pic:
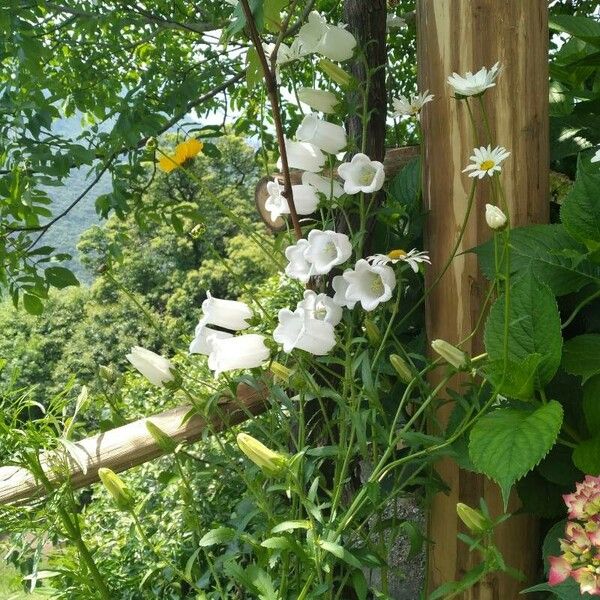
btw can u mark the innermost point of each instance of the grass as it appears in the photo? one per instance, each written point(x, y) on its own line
point(11, 587)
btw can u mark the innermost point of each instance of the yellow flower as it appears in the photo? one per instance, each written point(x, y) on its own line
point(183, 152)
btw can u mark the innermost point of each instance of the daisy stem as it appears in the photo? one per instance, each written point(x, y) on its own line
point(472, 121)
point(486, 121)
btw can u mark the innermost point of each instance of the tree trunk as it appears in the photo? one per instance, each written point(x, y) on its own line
point(464, 35)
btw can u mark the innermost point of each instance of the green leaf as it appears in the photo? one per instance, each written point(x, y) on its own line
point(33, 305)
point(581, 356)
point(507, 443)
point(290, 526)
point(591, 403)
point(580, 212)
point(583, 28)
point(587, 456)
point(219, 535)
point(555, 258)
point(60, 278)
point(341, 553)
point(534, 328)
point(519, 380)
point(254, 71)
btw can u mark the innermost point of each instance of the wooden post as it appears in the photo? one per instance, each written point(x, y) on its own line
point(461, 36)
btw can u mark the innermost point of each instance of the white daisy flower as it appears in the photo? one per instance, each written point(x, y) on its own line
point(474, 85)
point(412, 258)
point(411, 107)
point(486, 161)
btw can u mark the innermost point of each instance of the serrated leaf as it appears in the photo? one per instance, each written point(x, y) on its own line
point(534, 328)
point(586, 456)
point(581, 355)
point(518, 381)
point(219, 535)
point(507, 443)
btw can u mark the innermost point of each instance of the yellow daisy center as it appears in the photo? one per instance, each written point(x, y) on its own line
point(486, 165)
point(396, 254)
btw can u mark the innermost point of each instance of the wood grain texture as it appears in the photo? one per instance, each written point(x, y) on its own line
point(461, 36)
point(128, 446)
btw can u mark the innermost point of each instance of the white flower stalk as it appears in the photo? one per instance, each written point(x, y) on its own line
point(324, 185)
point(331, 41)
point(320, 307)
point(370, 284)
point(494, 217)
point(326, 136)
point(405, 106)
point(305, 200)
point(394, 22)
point(596, 157)
point(412, 258)
point(203, 336)
point(239, 352)
point(486, 161)
point(340, 287)
point(297, 330)
point(229, 314)
point(303, 156)
point(362, 174)
point(154, 367)
point(298, 267)
point(321, 100)
point(326, 249)
point(474, 85)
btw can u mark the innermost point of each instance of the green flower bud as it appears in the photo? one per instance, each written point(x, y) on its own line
point(401, 367)
point(373, 333)
point(280, 372)
point(117, 489)
point(472, 518)
point(107, 373)
point(165, 443)
point(451, 354)
point(272, 463)
point(335, 72)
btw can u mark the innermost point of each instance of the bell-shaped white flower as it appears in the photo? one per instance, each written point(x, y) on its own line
point(326, 136)
point(297, 330)
point(362, 174)
point(596, 157)
point(298, 267)
point(486, 161)
point(239, 352)
point(154, 367)
point(411, 107)
point(321, 100)
point(494, 217)
point(340, 287)
point(320, 307)
point(229, 314)
point(305, 200)
point(331, 41)
point(324, 185)
point(474, 85)
point(287, 54)
point(370, 284)
point(303, 156)
point(203, 336)
point(326, 249)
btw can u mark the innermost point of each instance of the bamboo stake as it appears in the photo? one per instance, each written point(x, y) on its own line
point(464, 35)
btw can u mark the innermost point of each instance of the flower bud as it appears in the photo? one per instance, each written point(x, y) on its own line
point(451, 354)
point(272, 463)
point(166, 443)
point(373, 333)
point(107, 373)
point(335, 72)
point(321, 100)
point(152, 366)
point(400, 366)
point(472, 518)
point(280, 372)
point(117, 489)
point(494, 217)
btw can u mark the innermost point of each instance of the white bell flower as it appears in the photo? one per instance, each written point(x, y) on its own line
point(486, 161)
point(320, 307)
point(340, 287)
point(229, 314)
point(321, 100)
point(494, 217)
point(596, 157)
point(370, 284)
point(411, 107)
point(326, 249)
point(287, 54)
point(305, 200)
point(474, 85)
point(154, 367)
point(239, 352)
point(324, 185)
point(203, 336)
point(332, 41)
point(298, 267)
point(326, 136)
point(297, 330)
point(412, 258)
point(303, 156)
point(362, 174)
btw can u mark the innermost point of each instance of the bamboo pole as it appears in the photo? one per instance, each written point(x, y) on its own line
point(464, 35)
point(128, 446)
